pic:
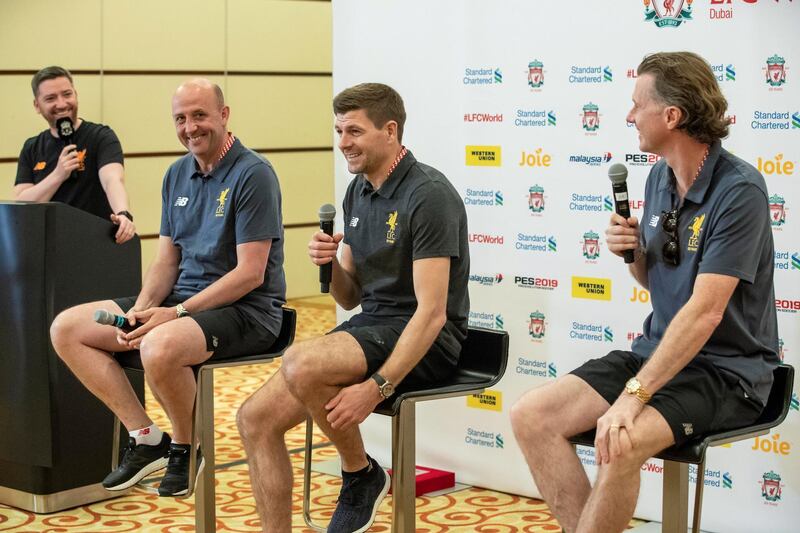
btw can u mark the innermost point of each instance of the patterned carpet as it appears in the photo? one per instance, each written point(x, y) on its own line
point(472, 509)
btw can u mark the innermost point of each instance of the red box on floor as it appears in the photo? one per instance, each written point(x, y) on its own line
point(431, 480)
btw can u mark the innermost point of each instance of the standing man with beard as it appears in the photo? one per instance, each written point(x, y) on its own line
point(405, 260)
point(87, 174)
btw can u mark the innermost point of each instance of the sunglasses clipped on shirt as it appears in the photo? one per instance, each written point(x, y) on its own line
point(671, 251)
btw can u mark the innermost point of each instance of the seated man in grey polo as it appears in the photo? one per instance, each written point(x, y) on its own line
point(214, 291)
point(405, 260)
point(705, 360)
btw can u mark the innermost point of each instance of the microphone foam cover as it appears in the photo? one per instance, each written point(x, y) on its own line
point(101, 316)
point(617, 173)
point(327, 212)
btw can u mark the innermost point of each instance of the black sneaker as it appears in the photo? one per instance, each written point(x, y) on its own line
point(137, 463)
point(359, 499)
point(176, 480)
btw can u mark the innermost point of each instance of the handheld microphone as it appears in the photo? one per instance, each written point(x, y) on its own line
point(66, 130)
point(618, 173)
point(101, 316)
point(326, 215)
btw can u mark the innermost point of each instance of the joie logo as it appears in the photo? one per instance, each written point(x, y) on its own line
point(776, 166)
point(535, 159)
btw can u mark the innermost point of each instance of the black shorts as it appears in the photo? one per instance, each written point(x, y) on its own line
point(699, 399)
point(378, 336)
point(229, 332)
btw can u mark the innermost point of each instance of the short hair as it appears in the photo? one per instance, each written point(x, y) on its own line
point(685, 80)
point(381, 103)
point(49, 73)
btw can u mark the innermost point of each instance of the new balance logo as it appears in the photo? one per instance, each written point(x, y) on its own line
point(181, 201)
point(654, 221)
point(354, 222)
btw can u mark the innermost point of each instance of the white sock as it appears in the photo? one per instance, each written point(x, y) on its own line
point(150, 435)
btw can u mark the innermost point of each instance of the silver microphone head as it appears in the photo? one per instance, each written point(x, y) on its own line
point(327, 213)
point(101, 316)
point(617, 173)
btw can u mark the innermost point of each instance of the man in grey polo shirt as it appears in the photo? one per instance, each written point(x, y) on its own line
point(215, 289)
point(405, 260)
point(705, 359)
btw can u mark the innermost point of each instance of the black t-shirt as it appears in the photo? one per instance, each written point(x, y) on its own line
point(416, 214)
point(97, 144)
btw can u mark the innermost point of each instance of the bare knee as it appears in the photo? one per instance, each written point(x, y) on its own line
point(64, 330)
point(530, 418)
point(297, 370)
point(157, 351)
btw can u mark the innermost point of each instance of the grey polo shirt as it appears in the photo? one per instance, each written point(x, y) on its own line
point(416, 214)
point(207, 216)
point(724, 228)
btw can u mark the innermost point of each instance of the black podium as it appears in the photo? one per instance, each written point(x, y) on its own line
point(53, 256)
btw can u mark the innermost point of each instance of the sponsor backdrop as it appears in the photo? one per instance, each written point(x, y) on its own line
point(522, 105)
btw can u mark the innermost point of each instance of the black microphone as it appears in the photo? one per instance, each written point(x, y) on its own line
point(101, 316)
point(326, 215)
point(618, 173)
point(65, 131)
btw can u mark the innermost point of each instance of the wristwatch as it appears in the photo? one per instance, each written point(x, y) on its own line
point(635, 388)
point(126, 214)
point(181, 311)
point(385, 387)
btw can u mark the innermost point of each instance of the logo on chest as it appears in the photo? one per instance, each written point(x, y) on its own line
point(696, 227)
point(223, 197)
point(181, 201)
point(391, 234)
point(81, 160)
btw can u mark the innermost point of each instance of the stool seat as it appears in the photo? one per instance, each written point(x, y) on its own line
point(694, 451)
point(203, 417)
point(481, 364)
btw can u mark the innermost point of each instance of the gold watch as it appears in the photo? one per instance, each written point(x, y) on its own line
point(636, 389)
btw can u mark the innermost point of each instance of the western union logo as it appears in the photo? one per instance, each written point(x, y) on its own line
point(489, 399)
point(591, 288)
point(483, 156)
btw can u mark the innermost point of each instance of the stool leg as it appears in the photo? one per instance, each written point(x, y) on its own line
point(205, 498)
point(404, 487)
point(675, 498)
point(307, 477)
point(698, 496)
point(115, 445)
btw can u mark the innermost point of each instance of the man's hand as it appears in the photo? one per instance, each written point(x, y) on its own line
point(622, 234)
point(67, 162)
point(353, 404)
point(150, 318)
point(126, 228)
point(323, 247)
point(614, 429)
